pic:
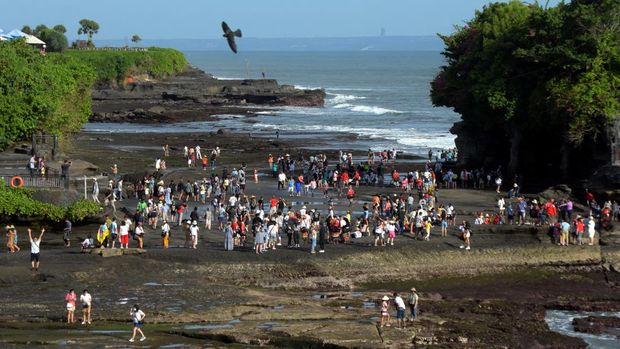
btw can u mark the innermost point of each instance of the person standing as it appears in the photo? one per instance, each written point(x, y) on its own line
point(113, 233)
point(228, 239)
point(71, 297)
point(64, 172)
point(400, 310)
point(413, 301)
point(466, 233)
point(385, 313)
point(35, 243)
point(193, 232)
point(10, 238)
point(87, 301)
point(137, 316)
point(140, 234)
point(322, 235)
point(165, 234)
point(95, 193)
point(314, 232)
point(66, 233)
point(591, 230)
point(124, 234)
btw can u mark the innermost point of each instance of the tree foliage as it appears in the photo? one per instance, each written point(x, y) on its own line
point(115, 66)
point(89, 28)
point(18, 202)
point(60, 28)
point(136, 39)
point(26, 29)
point(55, 41)
point(41, 93)
point(519, 68)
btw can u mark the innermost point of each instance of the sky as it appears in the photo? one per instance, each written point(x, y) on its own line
point(200, 19)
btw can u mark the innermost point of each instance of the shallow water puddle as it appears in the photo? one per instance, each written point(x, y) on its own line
point(207, 327)
point(270, 325)
point(369, 305)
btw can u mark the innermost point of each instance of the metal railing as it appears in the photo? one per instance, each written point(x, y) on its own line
point(37, 181)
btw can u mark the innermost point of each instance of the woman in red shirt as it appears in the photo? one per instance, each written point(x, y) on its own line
point(71, 297)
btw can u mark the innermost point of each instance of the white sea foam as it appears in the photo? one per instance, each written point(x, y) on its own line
point(374, 110)
point(366, 109)
point(341, 98)
point(301, 87)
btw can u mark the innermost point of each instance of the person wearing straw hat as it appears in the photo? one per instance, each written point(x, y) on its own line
point(385, 314)
point(413, 301)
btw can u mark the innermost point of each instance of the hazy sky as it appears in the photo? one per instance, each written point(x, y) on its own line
point(169, 19)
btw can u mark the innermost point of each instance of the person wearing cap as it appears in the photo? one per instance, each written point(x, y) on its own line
point(193, 232)
point(385, 314)
point(413, 301)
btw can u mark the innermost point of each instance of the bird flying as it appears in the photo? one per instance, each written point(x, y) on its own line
point(230, 36)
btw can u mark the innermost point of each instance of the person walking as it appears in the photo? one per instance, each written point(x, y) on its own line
point(87, 302)
point(35, 244)
point(413, 301)
point(66, 233)
point(137, 316)
point(71, 297)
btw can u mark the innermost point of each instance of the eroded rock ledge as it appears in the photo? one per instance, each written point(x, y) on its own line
point(194, 96)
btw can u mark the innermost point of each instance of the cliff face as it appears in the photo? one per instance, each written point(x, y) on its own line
point(194, 95)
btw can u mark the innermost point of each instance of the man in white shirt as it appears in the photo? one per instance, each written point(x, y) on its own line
point(35, 243)
point(86, 300)
point(193, 232)
point(400, 310)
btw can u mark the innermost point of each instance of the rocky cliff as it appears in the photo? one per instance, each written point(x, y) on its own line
point(194, 95)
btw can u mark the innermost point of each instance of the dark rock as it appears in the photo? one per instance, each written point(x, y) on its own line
point(192, 96)
point(596, 324)
point(221, 131)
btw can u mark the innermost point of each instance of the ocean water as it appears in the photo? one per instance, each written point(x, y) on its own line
point(383, 97)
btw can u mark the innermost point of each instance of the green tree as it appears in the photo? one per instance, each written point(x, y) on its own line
point(38, 29)
point(136, 39)
point(55, 41)
point(89, 28)
point(519, 73)
point(60, 28)
point(50, 94)
point(26, 29)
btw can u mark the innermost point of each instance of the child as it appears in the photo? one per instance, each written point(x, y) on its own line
point(137, 316)
point(385, 314)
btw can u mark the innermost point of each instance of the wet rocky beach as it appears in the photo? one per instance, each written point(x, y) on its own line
point(494, 296)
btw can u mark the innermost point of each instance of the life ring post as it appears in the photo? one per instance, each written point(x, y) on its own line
point(16, 182)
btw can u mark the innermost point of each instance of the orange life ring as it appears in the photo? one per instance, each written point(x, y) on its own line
point(19, 181)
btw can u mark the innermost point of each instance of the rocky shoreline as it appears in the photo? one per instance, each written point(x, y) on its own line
point(495, 296)
point(194, 95)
